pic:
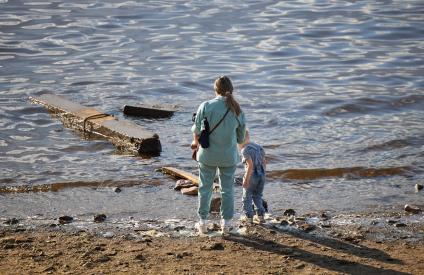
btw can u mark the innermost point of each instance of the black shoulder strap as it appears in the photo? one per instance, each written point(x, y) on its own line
point(210, 132)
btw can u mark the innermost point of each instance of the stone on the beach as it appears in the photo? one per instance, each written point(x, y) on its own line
point(191, 191)
point(284, 223)
point(100, 218)
point(213, 246)
point(117, 190)
point(140, 257)
point(418, 187)
point(400, 224)
point(307, 227)
point(215, 205)
point(179, 184)
point(412, 209)
point(11, 221)
point(109, 235)
point(65, 219)
point(289, 212)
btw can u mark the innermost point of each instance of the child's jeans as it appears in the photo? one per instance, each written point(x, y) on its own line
point(254, 192)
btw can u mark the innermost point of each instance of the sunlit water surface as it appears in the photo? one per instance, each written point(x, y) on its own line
point(324, 85)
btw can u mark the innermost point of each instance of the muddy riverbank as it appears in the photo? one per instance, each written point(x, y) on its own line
point(389, 242)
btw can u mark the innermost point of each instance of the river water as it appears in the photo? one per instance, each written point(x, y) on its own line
point(334, 89)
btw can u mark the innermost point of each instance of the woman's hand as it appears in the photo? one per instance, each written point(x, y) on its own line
point(194, 144)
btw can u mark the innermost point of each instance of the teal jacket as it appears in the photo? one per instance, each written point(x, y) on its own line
point(222, 150)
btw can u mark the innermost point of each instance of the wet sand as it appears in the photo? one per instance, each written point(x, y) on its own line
point(383, 243)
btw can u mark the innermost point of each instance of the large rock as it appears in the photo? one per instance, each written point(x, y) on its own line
point(191, 191)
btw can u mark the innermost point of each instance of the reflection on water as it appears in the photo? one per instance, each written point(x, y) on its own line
point(329, 85)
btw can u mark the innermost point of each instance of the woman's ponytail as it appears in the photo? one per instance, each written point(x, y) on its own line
point(233, 104)
point(224, 87)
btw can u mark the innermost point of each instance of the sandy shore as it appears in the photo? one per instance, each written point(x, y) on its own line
point(378, 245)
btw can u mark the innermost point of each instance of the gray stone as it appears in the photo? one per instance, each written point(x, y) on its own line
point(65, 219)
point(99, 218)
point(109, 235)
point(289, 212)
point(418, 187)
point(412, 209)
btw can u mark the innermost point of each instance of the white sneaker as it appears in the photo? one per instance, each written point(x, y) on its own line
point(202, 227)
point(226, 226)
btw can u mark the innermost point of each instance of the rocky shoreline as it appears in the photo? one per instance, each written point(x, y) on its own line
point(378, 242)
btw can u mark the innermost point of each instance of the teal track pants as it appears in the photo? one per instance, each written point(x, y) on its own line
point(226, 180)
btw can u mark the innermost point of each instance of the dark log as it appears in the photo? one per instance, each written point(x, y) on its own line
point(149, 111)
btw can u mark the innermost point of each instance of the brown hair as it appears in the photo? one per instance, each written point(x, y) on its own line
point(224, 87)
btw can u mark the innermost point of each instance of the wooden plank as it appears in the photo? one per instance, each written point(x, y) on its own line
point(125, 135)
point(178, 173)
point(148, 111)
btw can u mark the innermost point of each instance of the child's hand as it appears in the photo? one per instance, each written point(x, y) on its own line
point(245, 183)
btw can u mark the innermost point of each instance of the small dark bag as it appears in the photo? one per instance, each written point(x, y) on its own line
point(204, 134)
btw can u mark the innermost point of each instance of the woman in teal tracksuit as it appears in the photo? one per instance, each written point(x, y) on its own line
point(222, 151)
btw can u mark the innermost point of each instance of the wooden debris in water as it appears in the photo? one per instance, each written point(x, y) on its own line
point(181, 174)
point(149, 111)
point(125, 135)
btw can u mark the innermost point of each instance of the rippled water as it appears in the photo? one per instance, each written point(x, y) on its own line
point(326, 85)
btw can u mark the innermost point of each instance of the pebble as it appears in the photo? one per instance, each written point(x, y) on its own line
point(412, 209)
point(11, 221)
point(400, 224)
point(117, 190)
point(109, 235)
point(418, 187)
point(289, 212)
point(214, 246)
point(140, 257)
point(100, 218)
point(103, 259)
point(65, 219)
point(307, 227)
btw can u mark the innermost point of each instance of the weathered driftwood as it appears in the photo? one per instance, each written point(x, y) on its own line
point(149, 111)
point(125, 135)
point(181, 174)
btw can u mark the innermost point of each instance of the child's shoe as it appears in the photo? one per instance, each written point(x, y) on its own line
point(225, 226)
point(246, 219)
point(260, 219)
point(202, 227)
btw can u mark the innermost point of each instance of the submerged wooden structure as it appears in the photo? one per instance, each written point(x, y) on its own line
point(125, 135)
